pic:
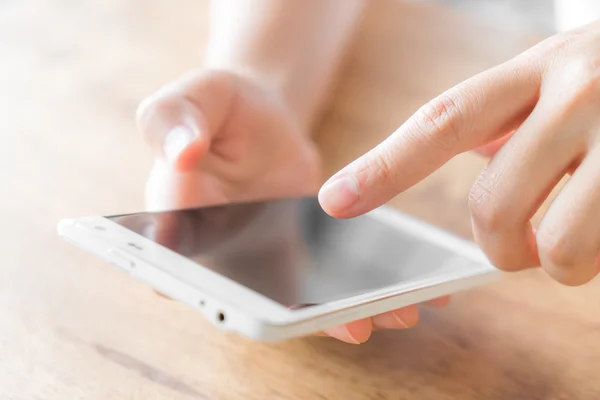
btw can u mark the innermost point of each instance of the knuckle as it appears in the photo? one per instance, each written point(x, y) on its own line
point(219, 80)
point(441, 121)
point(573, 69)
point(484, 213)
point(556, 247)
point(583, 77)
point(558, 43)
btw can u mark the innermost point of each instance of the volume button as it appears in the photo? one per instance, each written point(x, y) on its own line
point(121, 260)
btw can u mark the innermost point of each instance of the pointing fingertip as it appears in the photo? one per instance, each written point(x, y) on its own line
point(339, 194)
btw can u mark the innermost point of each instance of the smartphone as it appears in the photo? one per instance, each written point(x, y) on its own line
point(279, 269)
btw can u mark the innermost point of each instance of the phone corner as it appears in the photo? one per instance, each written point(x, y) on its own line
point(64, 225)
point(258, 330)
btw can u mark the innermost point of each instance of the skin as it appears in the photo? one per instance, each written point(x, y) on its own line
point(238, 128)
point(537, 115)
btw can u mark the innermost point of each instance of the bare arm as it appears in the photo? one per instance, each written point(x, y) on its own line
point(291, 46)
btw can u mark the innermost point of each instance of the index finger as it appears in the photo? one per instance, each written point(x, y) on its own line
point(469, 115)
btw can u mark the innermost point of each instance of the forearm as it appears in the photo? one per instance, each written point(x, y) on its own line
point(294, 47)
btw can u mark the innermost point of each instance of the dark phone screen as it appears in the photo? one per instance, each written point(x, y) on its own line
point(290, 250)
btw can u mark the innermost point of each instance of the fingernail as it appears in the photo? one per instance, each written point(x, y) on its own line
point(339, 194)
point(342, 333)
point(350, 338)
point(399, 319)
point(176, 142)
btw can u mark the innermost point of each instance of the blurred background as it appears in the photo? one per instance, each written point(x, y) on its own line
point(514, 14)
point(72, 73)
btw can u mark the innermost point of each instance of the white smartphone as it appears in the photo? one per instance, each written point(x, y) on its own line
point(279, 269)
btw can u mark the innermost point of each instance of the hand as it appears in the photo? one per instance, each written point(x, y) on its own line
point(542, 110)
point(221, 138)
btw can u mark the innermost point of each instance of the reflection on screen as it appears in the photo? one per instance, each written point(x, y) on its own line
point(290, 250)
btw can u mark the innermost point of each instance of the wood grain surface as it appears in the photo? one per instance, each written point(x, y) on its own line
point(71, 75)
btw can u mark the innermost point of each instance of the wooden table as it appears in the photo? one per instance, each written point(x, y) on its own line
point(71, 75)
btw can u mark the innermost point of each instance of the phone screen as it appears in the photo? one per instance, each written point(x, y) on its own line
point(290, 250)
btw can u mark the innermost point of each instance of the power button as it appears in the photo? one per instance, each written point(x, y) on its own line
point(121, 260)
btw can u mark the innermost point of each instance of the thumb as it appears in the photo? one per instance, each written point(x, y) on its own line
point(179, 120)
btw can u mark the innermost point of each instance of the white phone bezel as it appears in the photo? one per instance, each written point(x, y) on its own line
point(255, 315)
